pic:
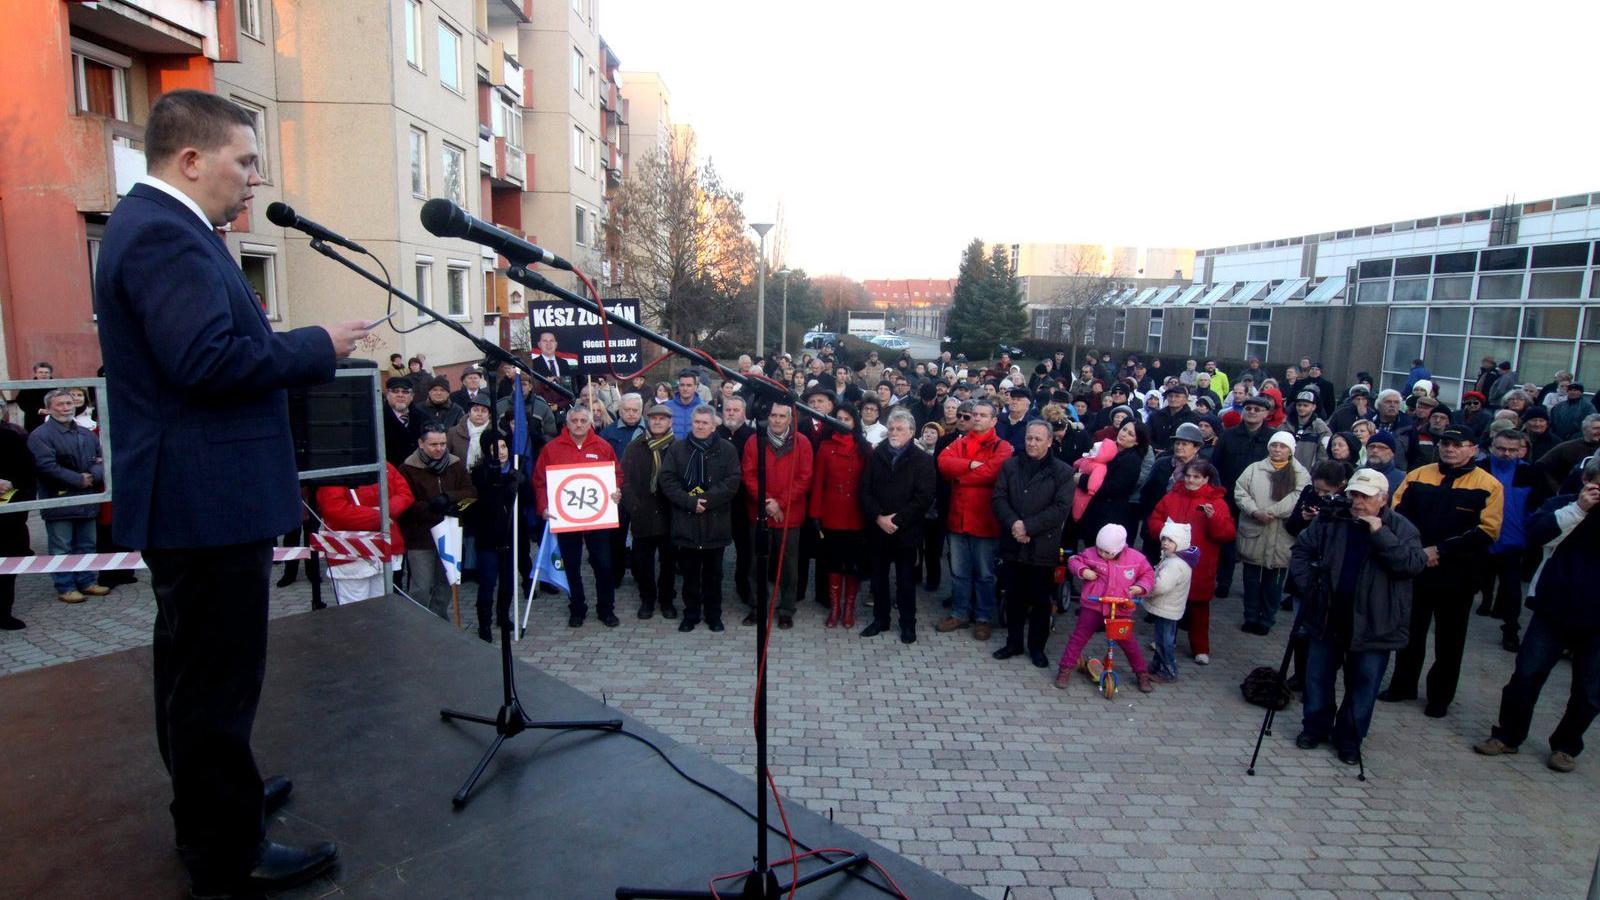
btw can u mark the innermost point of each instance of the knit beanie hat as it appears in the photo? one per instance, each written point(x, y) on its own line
point(1178, 532)
point(1112, 539)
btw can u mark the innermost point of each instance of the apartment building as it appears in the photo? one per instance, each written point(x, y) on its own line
point(649, 106)
point(365, 109)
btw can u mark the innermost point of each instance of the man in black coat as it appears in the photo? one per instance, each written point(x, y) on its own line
point(16, 474)
point(1236, 449)
point(898, 487)
point(699, 479)
point(1032, 499)
point(1327, 397)
point(402, 426)
point(736, 429)
point(1165, 421)
point(561, 371)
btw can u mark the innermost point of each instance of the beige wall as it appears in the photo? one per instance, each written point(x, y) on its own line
point(649, 111)
point(1036, 258)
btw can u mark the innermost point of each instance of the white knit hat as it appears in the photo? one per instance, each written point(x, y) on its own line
point(1178, 532)
point(1282, 437)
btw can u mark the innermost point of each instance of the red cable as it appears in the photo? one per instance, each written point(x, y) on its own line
point(605, 332)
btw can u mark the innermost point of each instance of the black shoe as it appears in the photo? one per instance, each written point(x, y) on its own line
point(1262, 629)
point(908, 637)
point(1247, 627)
point(1286, 603)
point(1350, 757)
point(280, 865)
point(1510, 643)
point(1039, 660)
point(1222, 591)
point(1296, 683)
point(1306, 742)
point(785, 622)
point(485, 635)
point(318, 604)
point(646, 611)
point(12, 623)
point(873, 630)
point(287, 579)
point(1007, 652)
point(668, 611)
point(1484, 609)
point(715, 627)
point(610, 620)
point(274, 791)
point(1393, 696)
point(1434, 711)
point(575, 620)
point(749, 619)
point(686, 625)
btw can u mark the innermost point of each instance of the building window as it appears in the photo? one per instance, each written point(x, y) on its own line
point(508, 121)
point(455, 284)
point(414, 32)
point(260, 270)
point(1152, 340)
point(594, 156)
point(449, 57)
point(1200, 333)
point(1119, 328)
point(419, 163)
point(1041, 324)
point(577, 71)
point(455, 184)
point(100, 78)
point(579, 226)
point(578, 147)
point(425, 281)
point(492, 304)
point(250, 18)
point(1089, 325)
point(258, 119)
point(1257, 333)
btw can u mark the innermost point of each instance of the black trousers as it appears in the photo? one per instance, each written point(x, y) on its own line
point(810, 550)
point(741, 552)
point(702, 583)
point(210, 658)
point(1446, 603)
point(619, 547)
point(1030, 595)
point(932, 552)
point(1503, 588)
point(904, 561)
point(655, 569)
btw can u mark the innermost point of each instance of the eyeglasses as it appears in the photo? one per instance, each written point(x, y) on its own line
point(964, 416)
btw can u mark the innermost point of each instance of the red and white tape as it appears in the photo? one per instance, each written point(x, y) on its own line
point(339, 544)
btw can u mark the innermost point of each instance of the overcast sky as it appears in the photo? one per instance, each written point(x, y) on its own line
point(894, 132)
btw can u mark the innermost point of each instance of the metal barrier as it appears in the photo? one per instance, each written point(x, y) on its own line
point(102, 419)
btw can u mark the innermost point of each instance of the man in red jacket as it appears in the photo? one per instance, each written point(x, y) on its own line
point(971, 465)
point(579, 445)
point(783, 505)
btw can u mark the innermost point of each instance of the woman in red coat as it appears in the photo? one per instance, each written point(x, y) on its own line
point(1199, 502)
point(836, 507)
point(356, 509)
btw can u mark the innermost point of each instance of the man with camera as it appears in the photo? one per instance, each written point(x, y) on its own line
point(1353, 568)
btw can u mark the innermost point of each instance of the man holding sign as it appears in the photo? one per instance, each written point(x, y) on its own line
point(576, 484)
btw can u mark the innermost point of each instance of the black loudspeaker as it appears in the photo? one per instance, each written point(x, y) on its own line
point(333, 425)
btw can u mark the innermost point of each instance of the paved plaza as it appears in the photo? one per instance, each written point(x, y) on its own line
point(986, 773)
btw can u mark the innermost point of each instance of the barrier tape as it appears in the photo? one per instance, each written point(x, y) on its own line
point(339, 544)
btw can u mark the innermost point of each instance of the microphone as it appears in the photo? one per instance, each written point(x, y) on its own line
point(284, 216)
point(445, 219)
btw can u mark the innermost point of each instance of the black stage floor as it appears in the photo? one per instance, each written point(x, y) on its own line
point(350, 712)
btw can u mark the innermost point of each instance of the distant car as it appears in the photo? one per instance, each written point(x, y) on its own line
point(816, 340)
point(890, 342)
point(1009, 350)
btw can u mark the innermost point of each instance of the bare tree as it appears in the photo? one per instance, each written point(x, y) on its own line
point(1086, 278)
point(838, 295)
point(685, 253)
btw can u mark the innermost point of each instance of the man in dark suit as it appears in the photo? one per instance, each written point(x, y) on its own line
point(472, 387)
point(559, 370)
point(402, 425)
point(197, 378)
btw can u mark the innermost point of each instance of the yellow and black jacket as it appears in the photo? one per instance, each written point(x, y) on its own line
point(1457, 510)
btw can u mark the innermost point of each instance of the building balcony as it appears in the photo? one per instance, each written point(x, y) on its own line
point(108, 154)
point(510, 164)
point(176, 27)
point(508, 12)
point(512, 78)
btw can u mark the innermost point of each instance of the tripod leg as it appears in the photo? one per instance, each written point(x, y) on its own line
point(460, 798)
point(1266, 729)
point(448, 714)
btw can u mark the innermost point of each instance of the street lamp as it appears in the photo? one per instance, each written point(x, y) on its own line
point(761, 228)
point(783, 327)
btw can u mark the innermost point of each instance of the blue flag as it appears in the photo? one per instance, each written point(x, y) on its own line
point(548, 567)
point(519, 424)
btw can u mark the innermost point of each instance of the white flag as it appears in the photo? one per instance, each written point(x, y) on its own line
point(447, 540)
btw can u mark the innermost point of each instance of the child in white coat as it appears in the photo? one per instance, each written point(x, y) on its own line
point(1171, 594)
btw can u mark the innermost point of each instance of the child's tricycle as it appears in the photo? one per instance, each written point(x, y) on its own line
point(1118, 628)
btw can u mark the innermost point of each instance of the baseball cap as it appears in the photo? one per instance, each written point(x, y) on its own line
point(1456, 434)
point(397, 384)
point(1306, 397)
point(1368, 482)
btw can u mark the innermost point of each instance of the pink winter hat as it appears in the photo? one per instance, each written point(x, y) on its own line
point(1112, 539)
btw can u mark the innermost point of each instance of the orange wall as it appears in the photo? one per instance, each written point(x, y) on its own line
point(45, 291)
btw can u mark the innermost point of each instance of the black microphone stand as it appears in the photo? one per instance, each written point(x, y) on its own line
point(510, 720)
point(762, 881)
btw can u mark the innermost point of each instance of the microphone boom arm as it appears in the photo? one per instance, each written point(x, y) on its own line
point(489, 349)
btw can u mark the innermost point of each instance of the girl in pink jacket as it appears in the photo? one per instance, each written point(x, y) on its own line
point(1111, 569)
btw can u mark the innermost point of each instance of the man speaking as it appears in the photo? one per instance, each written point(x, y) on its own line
point(197, 379)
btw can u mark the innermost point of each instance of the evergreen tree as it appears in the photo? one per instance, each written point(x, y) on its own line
point(1006, 313)
point(965, 324)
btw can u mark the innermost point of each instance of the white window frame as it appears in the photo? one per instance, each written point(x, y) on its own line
point(250, 18)
point(578, 65)
point(1251, 346)
point(1154, 330)
point(270, 295)
point(580, 221)
point(1204, 342)
point(459, 194)
point(450, 69)
point(119, 65)
point(415, 45)
point(592, 85)
point(578, 161)
point(263, 136)
point(594, 156)
point(507, 120)
point(423, 271)
point(418, 147)
point(458, 270)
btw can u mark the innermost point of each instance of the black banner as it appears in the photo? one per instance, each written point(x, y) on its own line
point(580, 338)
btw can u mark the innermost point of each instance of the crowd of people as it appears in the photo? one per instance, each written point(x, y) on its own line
point(1368, 517)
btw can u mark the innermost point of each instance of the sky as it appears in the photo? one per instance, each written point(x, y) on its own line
point(892, 133)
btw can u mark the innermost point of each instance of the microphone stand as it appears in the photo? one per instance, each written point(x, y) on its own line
point(761, 883)
point(510, 720)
